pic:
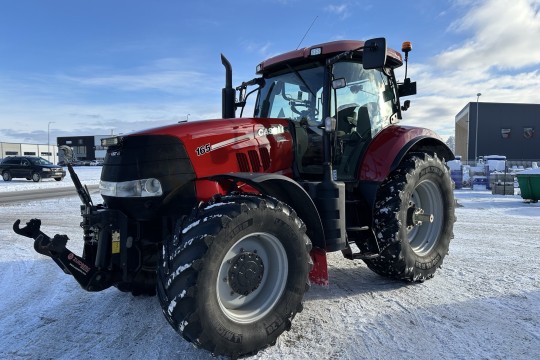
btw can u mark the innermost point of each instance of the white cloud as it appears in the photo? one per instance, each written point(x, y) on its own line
point(498, 58)
point(341, 10)
point(504, 36)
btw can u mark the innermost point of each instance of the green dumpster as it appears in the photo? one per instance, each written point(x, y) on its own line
point(529, 183)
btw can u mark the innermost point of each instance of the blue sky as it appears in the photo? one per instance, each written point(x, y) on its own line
point(95, 67)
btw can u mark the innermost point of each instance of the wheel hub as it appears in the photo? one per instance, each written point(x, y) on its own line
point(416, 216)
point(245, 273)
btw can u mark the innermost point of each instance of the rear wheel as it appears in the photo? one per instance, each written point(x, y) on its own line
point(58, 178)
point(36, 177)
point(233, 276)
point(6, 175)
point(414, 219)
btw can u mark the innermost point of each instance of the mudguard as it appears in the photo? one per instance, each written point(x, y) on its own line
point(389, 147)
point(286, 190)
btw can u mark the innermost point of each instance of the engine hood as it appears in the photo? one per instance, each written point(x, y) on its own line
point(233, 145)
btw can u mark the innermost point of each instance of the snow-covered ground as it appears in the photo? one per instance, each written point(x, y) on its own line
point(88, 174)
point(483, 304)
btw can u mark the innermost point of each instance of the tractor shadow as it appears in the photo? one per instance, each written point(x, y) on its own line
point(350, 278)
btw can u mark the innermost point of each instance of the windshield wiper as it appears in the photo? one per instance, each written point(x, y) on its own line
point(301, 78)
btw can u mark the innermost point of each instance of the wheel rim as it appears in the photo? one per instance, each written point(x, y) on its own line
point(259, 250)
point(5, 176)
point(426, 200)
point(35, 177)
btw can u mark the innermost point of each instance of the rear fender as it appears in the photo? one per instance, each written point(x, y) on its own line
point(388, 149)
point(282, 188)
point(391, 145)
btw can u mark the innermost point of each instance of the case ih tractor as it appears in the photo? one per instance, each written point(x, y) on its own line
point(230, 220)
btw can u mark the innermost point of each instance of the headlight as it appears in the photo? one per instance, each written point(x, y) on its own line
point(45, 169)
point(133, 188)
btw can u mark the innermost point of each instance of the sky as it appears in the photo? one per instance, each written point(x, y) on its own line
point(98, 67)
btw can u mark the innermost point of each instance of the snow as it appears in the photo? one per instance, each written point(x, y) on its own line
point(483, 304)
point(89, 175)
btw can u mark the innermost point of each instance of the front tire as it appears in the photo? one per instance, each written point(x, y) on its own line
point(232, 277)
point(414, 219)
point(36, 177)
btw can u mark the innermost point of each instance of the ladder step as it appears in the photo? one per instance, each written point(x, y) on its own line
point(358, 228)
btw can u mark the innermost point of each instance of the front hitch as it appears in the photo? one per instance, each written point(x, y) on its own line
point(88, 276)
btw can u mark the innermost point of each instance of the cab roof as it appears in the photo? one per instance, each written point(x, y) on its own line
point(328, 49)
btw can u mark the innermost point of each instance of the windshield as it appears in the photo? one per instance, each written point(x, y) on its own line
point(367, 97)
point(296, 95)
point(39, 161)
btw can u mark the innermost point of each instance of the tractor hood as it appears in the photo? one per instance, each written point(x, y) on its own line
point(233, 145)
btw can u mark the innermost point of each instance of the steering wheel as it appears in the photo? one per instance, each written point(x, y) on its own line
point(308, 109)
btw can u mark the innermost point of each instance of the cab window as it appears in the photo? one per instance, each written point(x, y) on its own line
point(365, 103)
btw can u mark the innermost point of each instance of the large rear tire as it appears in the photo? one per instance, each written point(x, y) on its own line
point(232, 277)
point(414, 219)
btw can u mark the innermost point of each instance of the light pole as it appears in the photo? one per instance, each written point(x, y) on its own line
point(476, 132)
point(187, 117)
point(48, 142)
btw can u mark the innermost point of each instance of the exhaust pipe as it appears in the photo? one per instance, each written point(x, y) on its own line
point(228, 101)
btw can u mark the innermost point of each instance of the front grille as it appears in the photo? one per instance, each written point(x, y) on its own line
point(151, 156)
point(243, 162)
point(254, 161)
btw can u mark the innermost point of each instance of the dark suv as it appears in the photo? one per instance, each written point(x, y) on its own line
point(30, 167)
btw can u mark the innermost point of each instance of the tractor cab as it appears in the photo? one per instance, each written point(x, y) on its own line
point(363, 100)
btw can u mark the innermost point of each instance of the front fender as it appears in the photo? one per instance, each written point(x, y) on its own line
point(288, 191)
point(389, 147)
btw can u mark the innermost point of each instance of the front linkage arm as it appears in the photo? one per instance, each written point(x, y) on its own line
point(87, 275)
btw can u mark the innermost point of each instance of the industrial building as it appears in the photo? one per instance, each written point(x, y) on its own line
point(84, 147)
point(506, 129)
point(48, 152)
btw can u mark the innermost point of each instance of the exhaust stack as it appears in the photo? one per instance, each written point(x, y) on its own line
point(228, 94)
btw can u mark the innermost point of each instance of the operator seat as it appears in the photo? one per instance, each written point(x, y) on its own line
point(363, 123)
point(354, 145)
point(346, 119)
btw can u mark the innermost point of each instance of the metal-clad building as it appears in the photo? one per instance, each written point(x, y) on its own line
point(48, 152)
point(507, 129)
point(85, 147)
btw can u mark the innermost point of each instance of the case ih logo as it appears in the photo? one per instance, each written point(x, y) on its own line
point(273, 130)
point(528, 132)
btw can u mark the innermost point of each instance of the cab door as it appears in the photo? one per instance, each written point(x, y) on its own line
point(363, 104)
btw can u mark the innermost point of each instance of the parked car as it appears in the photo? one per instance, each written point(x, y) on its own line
point(31, 168)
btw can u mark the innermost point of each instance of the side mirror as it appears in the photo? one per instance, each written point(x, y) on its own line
point(339, 83)
point(374, 54)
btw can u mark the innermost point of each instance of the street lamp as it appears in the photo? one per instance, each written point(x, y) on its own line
point(476, 132)
point(48, 142)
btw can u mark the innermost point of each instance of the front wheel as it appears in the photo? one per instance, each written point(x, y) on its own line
point(36, 177)
point(232, 277)
point(414, 219)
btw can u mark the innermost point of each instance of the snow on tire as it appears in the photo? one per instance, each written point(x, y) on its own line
point(232, 277)
point(414, 219)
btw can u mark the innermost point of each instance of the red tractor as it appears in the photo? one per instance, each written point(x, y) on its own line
point(228, 220)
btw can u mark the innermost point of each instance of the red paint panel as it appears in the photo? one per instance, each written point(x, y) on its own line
point(319, 272)
point(385, 147)
point(213, 145)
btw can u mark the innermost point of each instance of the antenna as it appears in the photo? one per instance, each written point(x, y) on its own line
point(313, 22)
